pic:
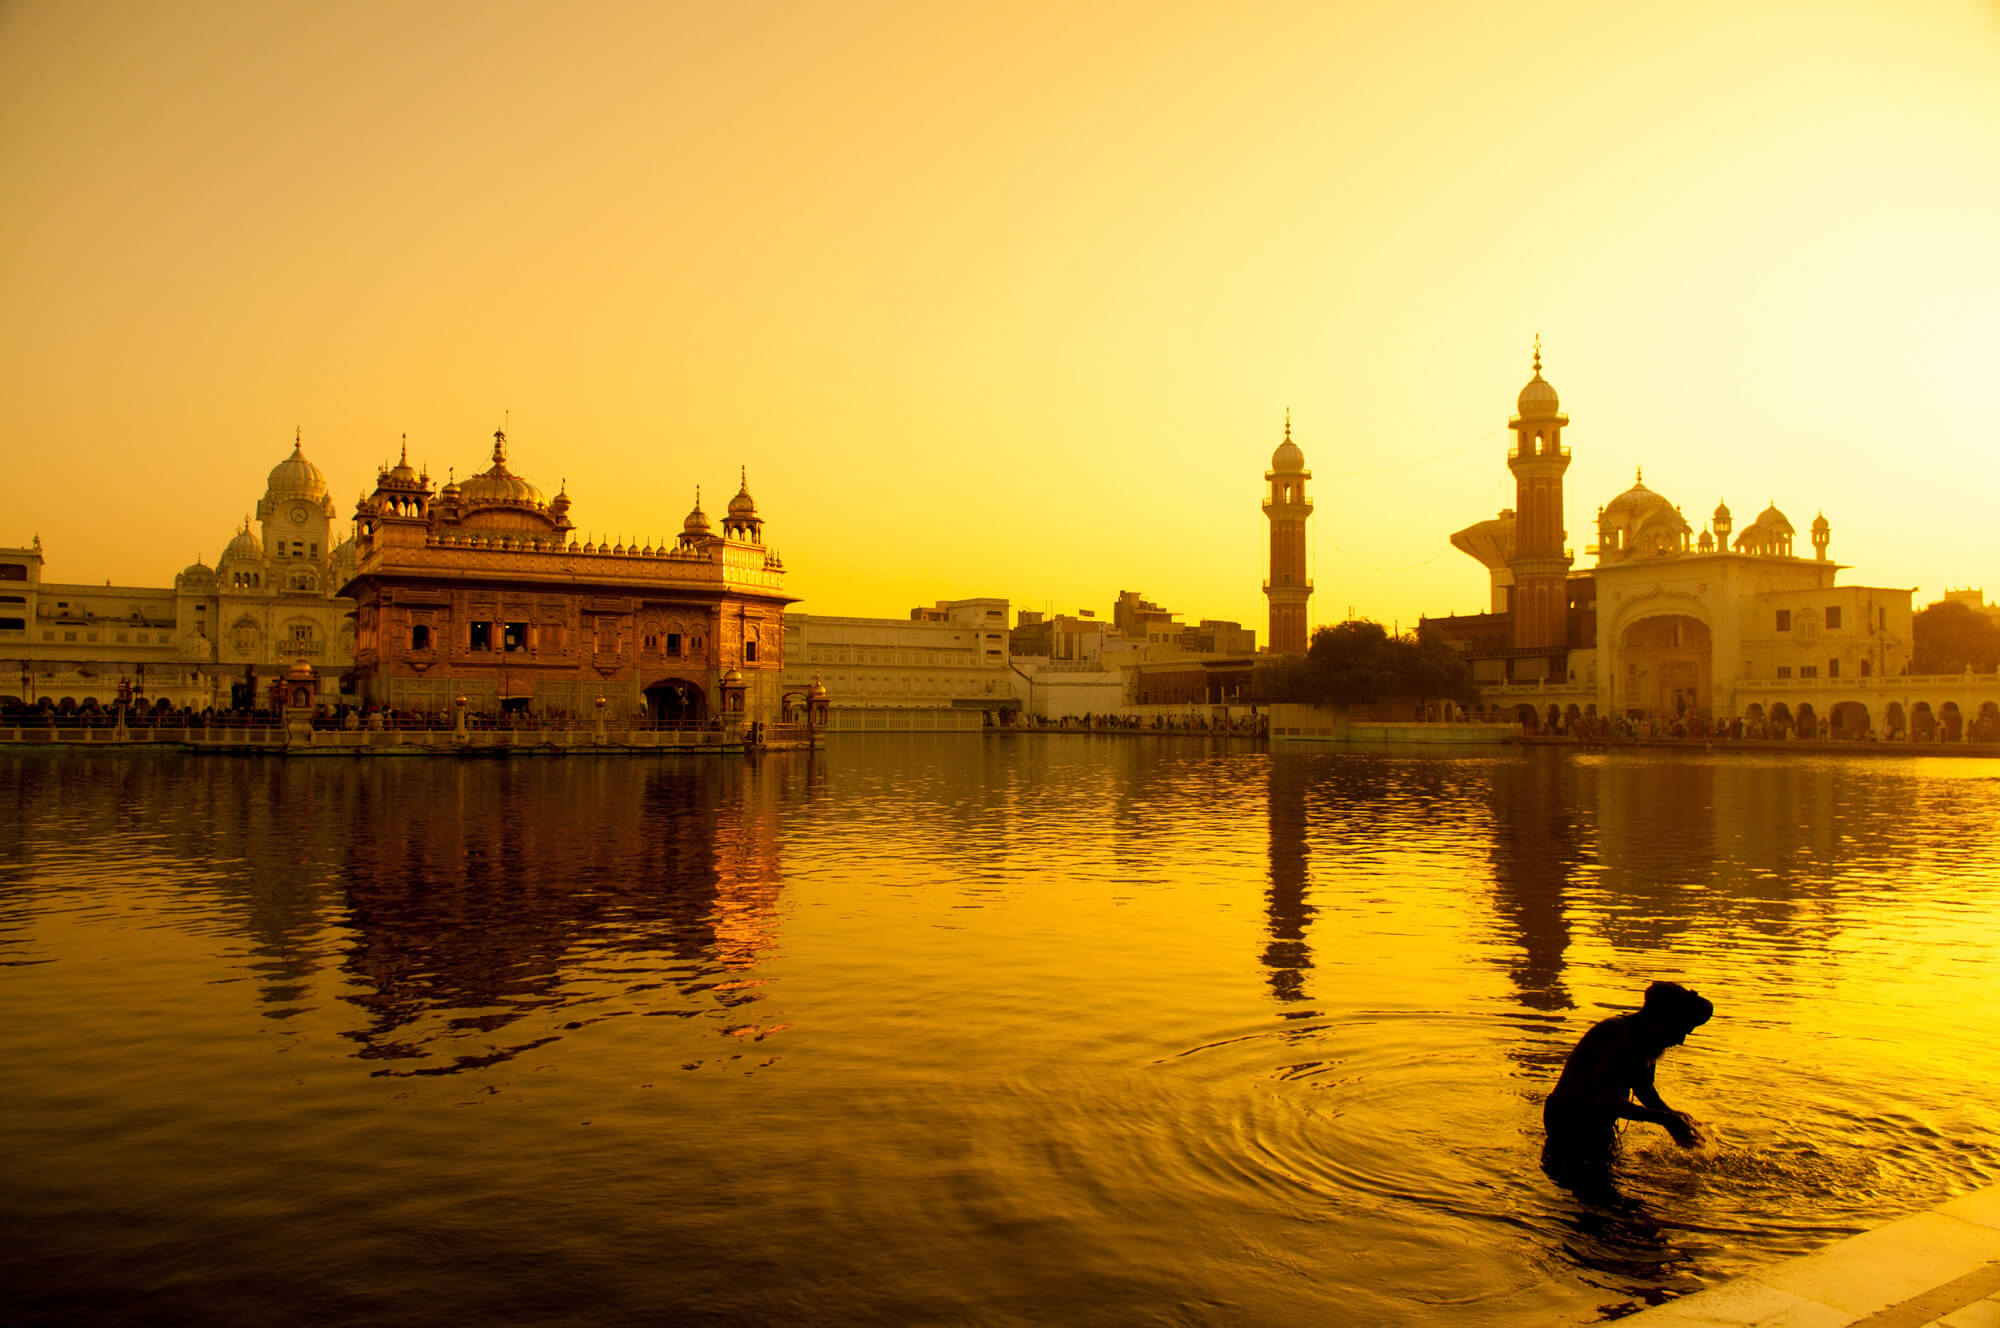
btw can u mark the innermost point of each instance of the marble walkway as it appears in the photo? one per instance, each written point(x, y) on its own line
point(1941, 1267)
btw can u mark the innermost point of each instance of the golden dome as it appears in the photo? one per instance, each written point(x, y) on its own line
point(743, 504)
point(196, 572)
point(496, 485)
point(1721, 512)
point(295, 477)
point(1820, 525)
point(697, 520)
point(733, 678)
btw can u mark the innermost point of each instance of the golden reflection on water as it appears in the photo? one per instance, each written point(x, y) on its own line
point(1099, 1028)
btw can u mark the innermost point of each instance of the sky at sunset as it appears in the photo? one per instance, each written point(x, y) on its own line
point(1010, 299)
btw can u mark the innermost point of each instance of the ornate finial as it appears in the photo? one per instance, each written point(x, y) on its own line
point(298, 434)
point(406, 451)
point(743, 474)
point(1288, 424)
point(1640, 477)
point(500, 447)
point(1538, 355)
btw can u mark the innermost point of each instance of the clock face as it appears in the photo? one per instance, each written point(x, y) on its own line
point(298, 516)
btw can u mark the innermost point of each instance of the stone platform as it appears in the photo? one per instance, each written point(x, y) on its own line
point(1940, 1267)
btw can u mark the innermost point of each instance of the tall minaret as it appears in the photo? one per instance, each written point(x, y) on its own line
point(1540, 563)
point(1288, 508)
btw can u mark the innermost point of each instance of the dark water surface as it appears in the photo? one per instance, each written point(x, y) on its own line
point(1055, 1027)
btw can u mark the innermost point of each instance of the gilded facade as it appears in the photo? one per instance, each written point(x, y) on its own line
point(480, 589)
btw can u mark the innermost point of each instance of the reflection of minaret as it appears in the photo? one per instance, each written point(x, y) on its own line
point(1537, 843)
point(1286, 911)
point(1288, 508)
point(1540, 564)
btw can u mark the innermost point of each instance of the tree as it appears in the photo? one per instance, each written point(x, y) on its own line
point(1948, 635)
point(1359, 663)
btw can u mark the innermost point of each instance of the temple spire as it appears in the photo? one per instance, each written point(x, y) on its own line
point(1538, 355)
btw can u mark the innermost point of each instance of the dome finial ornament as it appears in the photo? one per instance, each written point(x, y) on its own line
point(1288, 424)
point(298, 437)
point(1538, 355)
point(406, 451)
point(1639, 477)
point(500, 446)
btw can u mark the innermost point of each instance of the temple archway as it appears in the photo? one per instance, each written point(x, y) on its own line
point(1893, 721)
point(1953, 722)
point(674, 703)
point(1781, 720)
point(1986, 728)
point(1807, 720)
point(1524, 715)
point(1665, 665)
point(1923, 724)
point(1849, 719)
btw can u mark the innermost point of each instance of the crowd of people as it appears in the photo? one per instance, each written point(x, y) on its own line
point(1237, 726)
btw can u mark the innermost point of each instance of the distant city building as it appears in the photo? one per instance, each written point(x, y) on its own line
point(481, 590)
point(1288, 509)
point(219, 636)
point(1974, 599)
point(945, 667)
point(1670, 623)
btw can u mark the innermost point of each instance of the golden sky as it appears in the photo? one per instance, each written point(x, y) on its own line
point(1008, 299)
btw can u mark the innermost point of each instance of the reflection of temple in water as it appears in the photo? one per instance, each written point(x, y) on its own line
point(483, 892)
point(1287, 957)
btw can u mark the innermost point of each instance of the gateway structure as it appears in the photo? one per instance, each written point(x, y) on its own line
point(1725, 623)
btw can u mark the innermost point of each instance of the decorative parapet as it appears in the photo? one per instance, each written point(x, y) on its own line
point(717, 564)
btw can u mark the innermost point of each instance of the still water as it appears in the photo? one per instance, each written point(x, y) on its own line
point(1055, 1027)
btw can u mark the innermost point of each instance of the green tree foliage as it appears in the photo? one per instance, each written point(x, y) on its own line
point(1947, 636)
point(1359, 663)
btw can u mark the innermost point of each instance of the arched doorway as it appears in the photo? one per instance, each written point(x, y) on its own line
point(1923, 724)
point(674, 703)
point(1893, 721)
point(1781, 720)
point(1524, 715)
point(1953, 722)
point(1667, 666)
point(1807, 720)
point(1987, 727)
point(1850, 720)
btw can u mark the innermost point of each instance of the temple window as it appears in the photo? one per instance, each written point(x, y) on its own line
point(420, 637)
point(1833, 668)
point(674, 644)
point(1833, 615)
point(481, 637)
point(514, 637)
point(749, 645)
point(1784, 620)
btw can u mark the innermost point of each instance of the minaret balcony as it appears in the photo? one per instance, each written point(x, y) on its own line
point(1305, 586)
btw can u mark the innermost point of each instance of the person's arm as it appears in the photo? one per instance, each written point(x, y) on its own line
point(1653, 1109)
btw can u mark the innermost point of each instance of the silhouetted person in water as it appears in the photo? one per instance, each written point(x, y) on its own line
point(1612, 1064)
